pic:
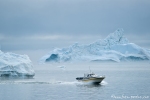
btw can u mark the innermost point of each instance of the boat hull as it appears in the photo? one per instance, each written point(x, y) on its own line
point(94, 80)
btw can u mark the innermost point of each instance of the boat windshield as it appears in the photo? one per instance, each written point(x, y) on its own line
point(89, 75)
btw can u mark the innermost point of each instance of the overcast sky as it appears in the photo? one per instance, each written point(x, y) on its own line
point(37, 24)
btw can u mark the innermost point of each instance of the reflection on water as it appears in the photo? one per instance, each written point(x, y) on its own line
point(89, 85)
point(8, 78)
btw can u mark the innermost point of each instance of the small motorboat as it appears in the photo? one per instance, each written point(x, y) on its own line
point(91, 78)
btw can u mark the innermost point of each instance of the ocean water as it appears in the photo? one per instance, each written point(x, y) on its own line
point(124, 80)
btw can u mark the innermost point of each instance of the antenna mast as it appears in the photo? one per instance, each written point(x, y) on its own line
point(89, 69)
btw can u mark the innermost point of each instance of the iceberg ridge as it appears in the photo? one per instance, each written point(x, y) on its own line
point(115, 47)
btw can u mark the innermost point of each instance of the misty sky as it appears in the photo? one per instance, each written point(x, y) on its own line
point(41, 24)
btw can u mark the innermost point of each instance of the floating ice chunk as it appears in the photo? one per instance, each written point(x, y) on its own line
point(12, 64)
point(62, 67)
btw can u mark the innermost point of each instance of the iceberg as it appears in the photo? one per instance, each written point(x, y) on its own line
point(115, 47)
point(15, 65)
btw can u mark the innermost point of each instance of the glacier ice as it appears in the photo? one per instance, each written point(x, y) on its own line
point(15, 65)
point(115, 47)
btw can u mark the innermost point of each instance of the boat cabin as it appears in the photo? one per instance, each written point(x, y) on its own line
point(89, 75)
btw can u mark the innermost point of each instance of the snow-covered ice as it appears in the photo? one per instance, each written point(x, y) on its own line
point(115, 47)
point(12, 64)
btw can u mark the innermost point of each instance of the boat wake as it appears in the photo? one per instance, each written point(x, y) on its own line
point(51, 82)
point(38, 82)
point(104, 83)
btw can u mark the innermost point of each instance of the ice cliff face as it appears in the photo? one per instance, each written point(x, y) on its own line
point(12, 64)
point(114, 47)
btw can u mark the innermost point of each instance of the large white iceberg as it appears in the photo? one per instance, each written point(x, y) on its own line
point(115, 47)
point(12, 64)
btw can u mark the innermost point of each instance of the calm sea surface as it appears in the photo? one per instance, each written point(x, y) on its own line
point(125, 80)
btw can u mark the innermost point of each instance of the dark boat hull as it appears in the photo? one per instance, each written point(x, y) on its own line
point(94, 80)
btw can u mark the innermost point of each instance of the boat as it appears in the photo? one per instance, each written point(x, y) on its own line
point(91, 78)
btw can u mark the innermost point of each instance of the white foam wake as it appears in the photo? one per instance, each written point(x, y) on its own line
point(54, 82)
